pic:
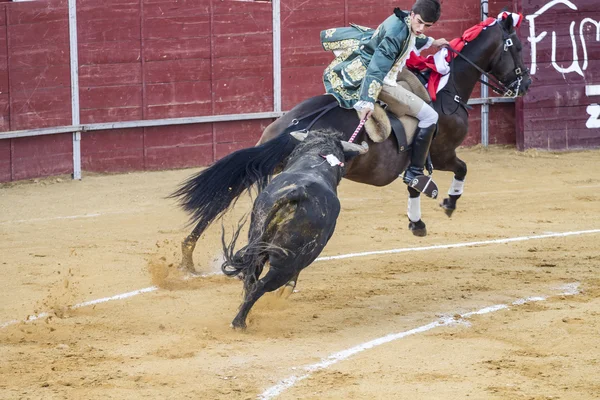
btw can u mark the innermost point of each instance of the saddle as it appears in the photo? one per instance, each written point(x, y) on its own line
point(393, 118)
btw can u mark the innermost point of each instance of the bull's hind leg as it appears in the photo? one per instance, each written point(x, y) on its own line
point(415, 224)
point(456, 187)
point(273, 280)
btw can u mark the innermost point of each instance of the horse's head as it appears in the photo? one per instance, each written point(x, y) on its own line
point(507, 62)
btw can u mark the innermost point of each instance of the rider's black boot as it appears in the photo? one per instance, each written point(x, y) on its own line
point(414, 175)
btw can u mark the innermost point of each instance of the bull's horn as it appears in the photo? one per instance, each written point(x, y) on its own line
point(347, 146)
point(299, 135)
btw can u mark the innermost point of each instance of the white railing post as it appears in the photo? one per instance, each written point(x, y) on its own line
point(276, 55)
point(74, 87)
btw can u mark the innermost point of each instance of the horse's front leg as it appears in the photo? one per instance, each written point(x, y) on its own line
point(456, 187)
point(415, 224)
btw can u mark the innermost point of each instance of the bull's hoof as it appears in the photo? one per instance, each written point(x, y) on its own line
point(448, 207)
point(418, 228)
point(286, 290)
point(238, 325)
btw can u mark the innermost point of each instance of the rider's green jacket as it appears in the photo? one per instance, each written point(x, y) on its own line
point(368, 58)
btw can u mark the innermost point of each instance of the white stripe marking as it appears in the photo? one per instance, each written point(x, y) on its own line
point(457, 245)
point(85, 304)
point(67, 217)
point(369, 253)
point(288, 382)
point(116, 297)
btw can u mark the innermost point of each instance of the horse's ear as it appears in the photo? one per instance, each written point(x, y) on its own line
point(508, 23)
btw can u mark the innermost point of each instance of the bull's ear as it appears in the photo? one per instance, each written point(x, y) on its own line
point(299, 135)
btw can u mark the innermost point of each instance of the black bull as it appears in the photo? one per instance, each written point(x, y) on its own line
point(210, 193)
point(292, 220)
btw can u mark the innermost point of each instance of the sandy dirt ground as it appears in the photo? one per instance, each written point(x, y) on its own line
point(63, 243)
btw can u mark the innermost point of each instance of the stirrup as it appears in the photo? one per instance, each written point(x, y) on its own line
point(425, 185)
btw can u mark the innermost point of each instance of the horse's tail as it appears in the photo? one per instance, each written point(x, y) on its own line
point(212, 191)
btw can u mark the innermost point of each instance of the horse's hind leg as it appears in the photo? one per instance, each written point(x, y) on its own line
point(415, 224)
point(187, 248)
point(273, 280)
point(459, 167)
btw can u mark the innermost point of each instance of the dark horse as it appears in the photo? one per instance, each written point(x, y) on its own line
point(293, 218)
point(496, 51)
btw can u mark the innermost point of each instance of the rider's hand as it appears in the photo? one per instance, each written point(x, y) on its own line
point(365, 114)
point(440, 42)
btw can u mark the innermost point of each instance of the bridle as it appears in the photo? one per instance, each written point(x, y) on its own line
point(510, 89)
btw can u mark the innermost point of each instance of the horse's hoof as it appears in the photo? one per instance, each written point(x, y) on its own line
point(188, 273)
point(447, 207)
point(418, 228)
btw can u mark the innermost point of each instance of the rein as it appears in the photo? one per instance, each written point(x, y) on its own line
point(296, 124)
point(492, 82)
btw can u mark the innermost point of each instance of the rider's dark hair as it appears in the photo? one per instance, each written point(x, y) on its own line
point(429, 10)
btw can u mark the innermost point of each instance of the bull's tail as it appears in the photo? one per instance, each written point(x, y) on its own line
point(250, 259)
point(248, 262)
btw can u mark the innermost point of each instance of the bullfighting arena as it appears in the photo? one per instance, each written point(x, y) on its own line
point(501, 301)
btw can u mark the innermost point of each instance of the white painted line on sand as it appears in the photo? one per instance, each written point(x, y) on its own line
point(84, 304)
point(457, 245)
point(116, 297)
point(94, 215)
point(364, 254)
point(290, 381)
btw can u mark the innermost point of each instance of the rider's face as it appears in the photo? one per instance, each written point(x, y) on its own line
point(417, 25)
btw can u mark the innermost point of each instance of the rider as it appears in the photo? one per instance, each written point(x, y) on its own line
point(368, 61)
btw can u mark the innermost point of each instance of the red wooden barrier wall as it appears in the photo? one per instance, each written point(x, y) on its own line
point(150, 59)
